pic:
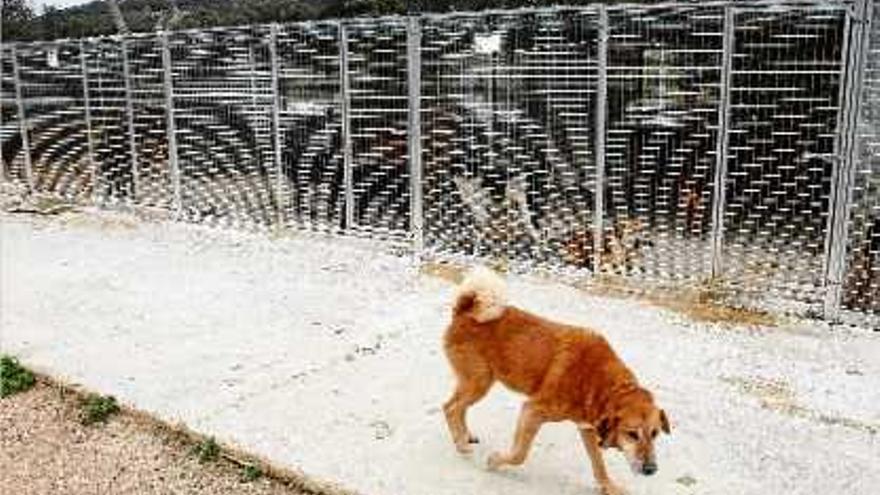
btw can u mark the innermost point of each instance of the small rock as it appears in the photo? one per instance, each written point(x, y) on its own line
point(686, 480)
point(381, 429)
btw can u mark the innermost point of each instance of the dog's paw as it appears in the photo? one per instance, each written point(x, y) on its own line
point(495, 461)
point(464, 448)
point(610, 488)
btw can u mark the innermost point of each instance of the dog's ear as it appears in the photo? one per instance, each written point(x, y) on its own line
point(664, 422)
point(604, 428)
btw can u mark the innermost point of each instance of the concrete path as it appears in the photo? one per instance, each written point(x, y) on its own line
point(325, 356)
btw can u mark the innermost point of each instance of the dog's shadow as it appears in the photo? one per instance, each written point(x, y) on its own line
point(510, 474)
point(479, 461)
point(521, 475)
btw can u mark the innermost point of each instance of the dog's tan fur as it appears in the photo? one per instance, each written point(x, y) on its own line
point(568, 373)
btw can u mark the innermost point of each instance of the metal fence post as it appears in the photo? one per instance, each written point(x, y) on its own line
point(601, 105)
point(3, 171)
point(719, 198)
point(129, 108)
point(90, 145)
point(22, 122)
point(854, 53)
point(414, 130)
point(276, 122)
point(348, 173)
point(169, 113)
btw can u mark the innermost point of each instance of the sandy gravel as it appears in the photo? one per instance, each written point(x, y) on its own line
point(45, 450)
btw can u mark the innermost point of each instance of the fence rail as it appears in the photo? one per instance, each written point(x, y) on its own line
point(670, 143)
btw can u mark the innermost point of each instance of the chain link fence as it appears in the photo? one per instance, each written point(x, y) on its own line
point(861, 263)
point(722, 142)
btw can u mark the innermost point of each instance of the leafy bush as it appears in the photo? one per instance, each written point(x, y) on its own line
point(13, 377)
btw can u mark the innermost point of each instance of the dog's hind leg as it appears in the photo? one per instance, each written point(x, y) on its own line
point(474, 381)
point(530, 421)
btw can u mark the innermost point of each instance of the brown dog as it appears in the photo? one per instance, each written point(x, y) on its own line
point(568, 373)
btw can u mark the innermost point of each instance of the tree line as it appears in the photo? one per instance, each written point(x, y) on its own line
point(21, 22)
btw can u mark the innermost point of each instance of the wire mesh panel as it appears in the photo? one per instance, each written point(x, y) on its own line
point(861, 289)
point(507, 129)
point(52, 92)
point(222, 103)
point(11, 149)
point(311, 126)
point(664, 81)
point(149, 111)
point(108, 120)
point(783, 122)
point(377, 98)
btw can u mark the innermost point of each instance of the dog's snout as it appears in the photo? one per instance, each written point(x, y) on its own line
point(649, 468)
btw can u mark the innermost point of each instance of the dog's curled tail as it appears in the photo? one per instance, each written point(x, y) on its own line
point(482, 294)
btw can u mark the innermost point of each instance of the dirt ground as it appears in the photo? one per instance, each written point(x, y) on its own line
point(44, 449)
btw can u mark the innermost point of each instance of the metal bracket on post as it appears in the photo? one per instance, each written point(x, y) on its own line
point(276, 123)
point(172, 135)
point(348, 173)
point(22, 123)
point(414, 130)
point(601, 105)
point(719, 197)
point(90, 145)
point(129, 108)
point(855, 47)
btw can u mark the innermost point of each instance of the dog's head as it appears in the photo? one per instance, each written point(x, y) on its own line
point(631, 427)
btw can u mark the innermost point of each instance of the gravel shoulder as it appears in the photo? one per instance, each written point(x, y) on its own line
point(45, 449)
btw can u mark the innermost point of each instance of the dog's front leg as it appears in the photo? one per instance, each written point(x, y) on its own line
point(591, 442)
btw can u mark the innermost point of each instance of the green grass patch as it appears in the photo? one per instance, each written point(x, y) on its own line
point(251, 473)
point(207, 450)
point(97, 408)
point(14, 378)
